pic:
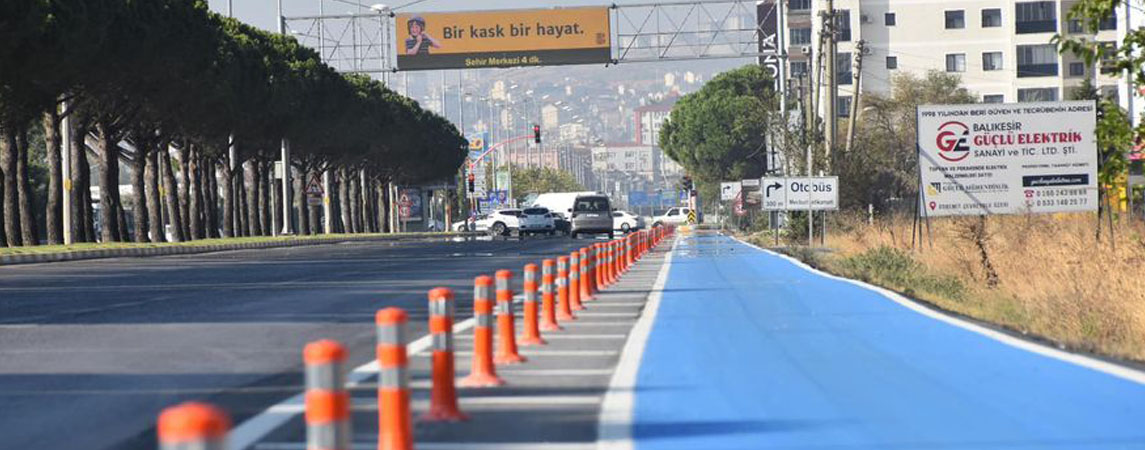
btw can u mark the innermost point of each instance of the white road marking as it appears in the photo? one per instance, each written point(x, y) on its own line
point(1109, 368)
point(532, 352)
point(614, 425)
point(606, 314)
point(261, 424)
point(553, 372)
point(446, 446)
point(558, 337)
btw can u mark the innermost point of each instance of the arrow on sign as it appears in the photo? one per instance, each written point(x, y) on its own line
point(767, 192)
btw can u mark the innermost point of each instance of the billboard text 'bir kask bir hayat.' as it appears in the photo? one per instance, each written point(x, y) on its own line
point(510, 38)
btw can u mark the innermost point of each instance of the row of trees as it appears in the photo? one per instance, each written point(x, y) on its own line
point(197, 107)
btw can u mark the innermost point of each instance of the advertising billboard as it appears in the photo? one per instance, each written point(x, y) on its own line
point(1007, 158)
point(508, 38)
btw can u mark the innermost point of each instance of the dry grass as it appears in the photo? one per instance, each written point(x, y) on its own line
point(1054, 279)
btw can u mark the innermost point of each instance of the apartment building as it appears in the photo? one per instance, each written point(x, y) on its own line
point(1001, 50)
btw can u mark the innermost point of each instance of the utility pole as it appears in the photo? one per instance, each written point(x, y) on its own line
point(856, 105)
point(831, 120)
point(285, 144)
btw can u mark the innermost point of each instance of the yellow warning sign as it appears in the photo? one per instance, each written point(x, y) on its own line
point(691, 217)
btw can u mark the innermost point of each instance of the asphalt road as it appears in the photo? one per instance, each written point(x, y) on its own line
point(91, 351)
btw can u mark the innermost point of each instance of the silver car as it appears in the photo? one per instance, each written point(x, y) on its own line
point(591, 214)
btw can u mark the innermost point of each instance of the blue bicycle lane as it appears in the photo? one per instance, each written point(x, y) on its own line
point(751, 351)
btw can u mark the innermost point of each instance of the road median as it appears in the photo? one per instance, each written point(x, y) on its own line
point(58, 253)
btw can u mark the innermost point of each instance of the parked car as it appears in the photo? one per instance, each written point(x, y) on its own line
point(501, 222)
point(625, 221)
point(591, 214)
point(537, 220)
point(674, 216)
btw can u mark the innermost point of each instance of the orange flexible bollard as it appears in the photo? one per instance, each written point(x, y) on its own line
point(615, 261)
point(548, 294)
point(532, 333)
point(599, 261)
point(395, 424)
point(574, 281)
point(506, 328)
point(606, 249)
point(585, 276)
point(565, 311)
point(482, 374)
point(443, 395)
point(327, 401)
point(193, 425)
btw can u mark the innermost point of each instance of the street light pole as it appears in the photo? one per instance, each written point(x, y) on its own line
point(285, 145)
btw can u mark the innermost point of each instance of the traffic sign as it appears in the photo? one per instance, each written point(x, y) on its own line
point(314, 187)
point(729, 190)
point(691, 217)
point(800, 193)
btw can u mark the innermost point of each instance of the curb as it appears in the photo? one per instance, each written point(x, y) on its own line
point(9, 260)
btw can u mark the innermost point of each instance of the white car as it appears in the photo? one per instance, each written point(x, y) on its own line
point(674, 216)
point(465, 225)
point(625, 221)
point(537, 220)
point(501, 222)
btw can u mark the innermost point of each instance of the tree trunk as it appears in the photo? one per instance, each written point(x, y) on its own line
point(242, 216)
point(265, 202)
point(27, 196)
point(194, 192)
point(151, 192)
point(121, 220)
point(315, 217)
point(79, 175)
point(211, 197)
point(86, 203)
point(228, 200)
point(108, 184)
point(276, 204)
point(185, 190)
point(381, 206)
point(11, 196)
point(54, 213)
point(344, 201)
point(254, 228)
point(170, 190)
point(355, 202)
point(138, 187)
point(300, 204)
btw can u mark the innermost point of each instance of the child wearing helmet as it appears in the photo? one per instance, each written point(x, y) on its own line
point(419, 41)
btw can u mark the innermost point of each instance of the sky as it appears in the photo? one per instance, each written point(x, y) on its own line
point(261, 13)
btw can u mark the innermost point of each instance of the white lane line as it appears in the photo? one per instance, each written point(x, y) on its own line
point(606, 314)
point(368, 405)
point(556, 337)
point(447, 446)
point(599, 323)
point(265, 422)
point(554, 372)
point(614, 425)
point(530, 352)
point(591, 305)
point(1109, 368)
